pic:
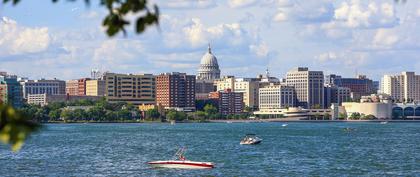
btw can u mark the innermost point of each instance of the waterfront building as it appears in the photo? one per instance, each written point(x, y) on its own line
point(50, 87)
point(402, 88)
point(176, 91)
point(11, 90)
point(72, 87)
point(45, 99)
point(130, 88)
point(82, 86)
point(229, 102)
point(203, 88)
point(248, 86)
point(95, 87)
point(359, 86)
point(335, 94)
point(276, 96)
point(209, 67)
point(308, 85)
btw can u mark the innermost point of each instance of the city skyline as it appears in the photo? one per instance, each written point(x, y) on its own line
point(371, 38)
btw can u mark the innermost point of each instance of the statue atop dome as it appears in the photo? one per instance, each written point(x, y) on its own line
point(209, 67)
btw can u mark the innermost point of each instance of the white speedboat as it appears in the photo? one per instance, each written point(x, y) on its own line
point(384, 122)
point(181, 162)
point(184, 164)
point(250, 139)
point(283, 125)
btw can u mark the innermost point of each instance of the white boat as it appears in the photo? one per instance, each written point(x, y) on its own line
point(184, 164)
point(250, 139)
point(181, 162)
point(385, 122)
point(283, 125)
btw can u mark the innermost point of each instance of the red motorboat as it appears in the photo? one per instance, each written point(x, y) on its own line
point(181, 162)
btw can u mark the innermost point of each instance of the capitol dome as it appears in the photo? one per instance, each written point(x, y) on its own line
point(209, 68)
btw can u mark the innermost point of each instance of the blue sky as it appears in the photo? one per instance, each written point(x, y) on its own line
point(65, 40)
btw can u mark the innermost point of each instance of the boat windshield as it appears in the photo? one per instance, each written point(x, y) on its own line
point(180, 154)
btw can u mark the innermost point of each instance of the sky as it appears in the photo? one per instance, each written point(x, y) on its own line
point(40, 39)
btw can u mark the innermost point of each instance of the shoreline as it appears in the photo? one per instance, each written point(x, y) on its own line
point(235, 121)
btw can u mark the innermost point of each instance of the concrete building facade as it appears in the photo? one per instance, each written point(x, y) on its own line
point(176, 91)
point(335, 94)
point(50, 87)
point(402, 88)
point(131, 88)
point(45, 99)
point(359, 86)
point(82, 86)
point(308, 85)
point(95, 87)
point(276, 96)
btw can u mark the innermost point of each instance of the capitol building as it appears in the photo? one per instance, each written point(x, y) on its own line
point(207, 73)
point(209, 68)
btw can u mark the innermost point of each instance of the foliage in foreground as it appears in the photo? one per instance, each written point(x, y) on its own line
point(15, 127)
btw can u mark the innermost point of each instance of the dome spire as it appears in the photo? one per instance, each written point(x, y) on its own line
point(209, 48)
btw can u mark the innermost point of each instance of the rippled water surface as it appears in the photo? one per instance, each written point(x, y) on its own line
point(299, 149)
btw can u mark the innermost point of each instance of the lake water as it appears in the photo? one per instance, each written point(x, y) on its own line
point(299, 149)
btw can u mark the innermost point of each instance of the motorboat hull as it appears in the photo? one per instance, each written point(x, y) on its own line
point(250, 143)
point(181, 164)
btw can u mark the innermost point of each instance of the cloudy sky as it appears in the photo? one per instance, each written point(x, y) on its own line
point(66, 40)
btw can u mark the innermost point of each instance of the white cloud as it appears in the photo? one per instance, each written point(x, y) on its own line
point(358, 14)
point(16, 39)
point(185, 4)
point(241, 3)
point(280, 16)
point(385, 38)
point(260, 50)
point(327, 57)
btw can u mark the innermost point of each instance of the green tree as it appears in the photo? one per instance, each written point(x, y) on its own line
point(67, 115)
point(15, 127)
point(152, 114)
point(355, 116)
point(210, 109)
point(342, 116)
point(79, 114)
point(171, 114)
point(54, 114)
point(327, 116)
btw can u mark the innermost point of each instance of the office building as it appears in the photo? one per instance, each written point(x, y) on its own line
point(50, 87)
point(229, 102)
point(82, 86)
point(248, 86)
point(276, 96)
point(335, 94)
point(176, 91)
point(72, 87)
point(137, 89)
point(11, 91)
point(359, 86)
point(402, 88)
point(308, 85)
point(95, 87)
point(45, 99)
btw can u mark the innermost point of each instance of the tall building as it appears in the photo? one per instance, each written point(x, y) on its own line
point(82, 86)
point(95, 87)
point(360, 86)
point(176, 91)
point(308, 85)
point(51, 87)
point(248, 86)
point(276, 96)
point(335, 94)
point(209, 68)
point(203, 88)
point(11, 90)
point(72, 87)
point(229, 102)
point(402, 88)
point(137, 89)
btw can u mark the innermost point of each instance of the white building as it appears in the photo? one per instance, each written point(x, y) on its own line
point(402, 88)
point(309, 87)
point(209, 67)
point(276, 97)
